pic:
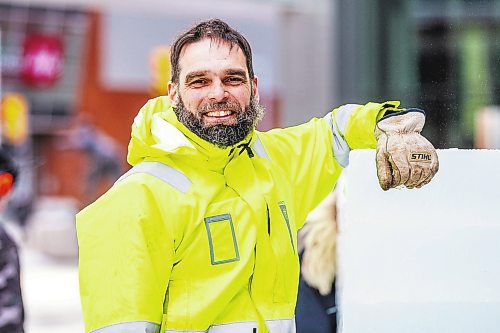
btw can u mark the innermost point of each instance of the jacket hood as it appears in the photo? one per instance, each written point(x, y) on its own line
point(156, 133)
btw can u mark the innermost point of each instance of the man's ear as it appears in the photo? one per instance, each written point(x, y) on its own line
point(173, 93)
point(255, 88)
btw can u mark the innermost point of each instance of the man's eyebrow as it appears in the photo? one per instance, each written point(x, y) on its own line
point(194, 75)
point(239, 72)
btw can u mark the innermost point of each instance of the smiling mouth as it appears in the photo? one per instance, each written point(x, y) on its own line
point(219, 117)
point(217, 114)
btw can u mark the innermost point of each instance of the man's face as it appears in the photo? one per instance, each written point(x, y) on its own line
point(215, 97)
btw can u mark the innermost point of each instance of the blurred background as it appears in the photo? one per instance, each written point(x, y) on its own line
point(75, 73)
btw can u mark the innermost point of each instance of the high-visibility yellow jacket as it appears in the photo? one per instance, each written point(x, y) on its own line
point(197, 238)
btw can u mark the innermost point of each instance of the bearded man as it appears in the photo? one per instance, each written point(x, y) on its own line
point(201, 234)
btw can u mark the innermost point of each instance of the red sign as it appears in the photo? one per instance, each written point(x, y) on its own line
point(42, 61)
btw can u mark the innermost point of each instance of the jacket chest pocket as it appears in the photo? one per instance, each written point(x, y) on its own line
point(289, 227)
point(221, 239)
point(281, 229)
point(284, 242)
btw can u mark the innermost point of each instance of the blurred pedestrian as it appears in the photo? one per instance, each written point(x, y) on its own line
point(11, 302)
point(102, 152)
point(316, 310)
point(201, 234)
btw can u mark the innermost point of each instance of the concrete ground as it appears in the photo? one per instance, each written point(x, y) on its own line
point(49, 267)
point(50, 292)
point(49, 277)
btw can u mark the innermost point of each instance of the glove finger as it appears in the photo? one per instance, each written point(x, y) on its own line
point(431, 170)
point(423, 183)
point(434, 164)
point(428, 175)
point(400, 169)
point(405, 169)
point(384, 170)
point(424, 178)
point(396, 175)
point(415, 176)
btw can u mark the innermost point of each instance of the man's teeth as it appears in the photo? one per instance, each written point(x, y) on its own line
point(218, 113)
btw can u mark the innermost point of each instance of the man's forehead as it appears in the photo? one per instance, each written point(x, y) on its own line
point(212, 44)
point(203, 54)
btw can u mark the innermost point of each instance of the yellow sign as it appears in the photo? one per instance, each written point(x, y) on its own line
point(160, 70)
point(14, 118)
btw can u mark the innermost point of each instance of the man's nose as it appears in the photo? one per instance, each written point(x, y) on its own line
point(217, 91)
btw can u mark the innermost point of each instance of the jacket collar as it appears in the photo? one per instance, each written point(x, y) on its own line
point(215, 156)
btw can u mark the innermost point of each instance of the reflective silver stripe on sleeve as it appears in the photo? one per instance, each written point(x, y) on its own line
point(164, 172)
point(339, 145)
point(130, 327)
point(281, 325)
point(259, 149)
point(342, 116)
point(273, 326)
point(247, 326)
point(244, 326)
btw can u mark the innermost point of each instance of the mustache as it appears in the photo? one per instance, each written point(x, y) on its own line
point(218, 106)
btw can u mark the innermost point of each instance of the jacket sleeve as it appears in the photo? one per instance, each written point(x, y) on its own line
point(125, 259)
point(313, 154)
point(355, 124)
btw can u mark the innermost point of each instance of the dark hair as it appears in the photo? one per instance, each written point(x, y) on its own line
point(214, 29)
point(7, 164)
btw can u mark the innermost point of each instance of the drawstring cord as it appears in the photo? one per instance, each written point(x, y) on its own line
point(244, 147)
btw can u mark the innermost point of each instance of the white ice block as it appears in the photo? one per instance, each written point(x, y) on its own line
point(423, 260)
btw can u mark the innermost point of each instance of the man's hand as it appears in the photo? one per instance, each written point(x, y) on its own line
point(404, 157)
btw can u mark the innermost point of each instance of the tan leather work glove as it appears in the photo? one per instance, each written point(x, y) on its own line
point(404, 157)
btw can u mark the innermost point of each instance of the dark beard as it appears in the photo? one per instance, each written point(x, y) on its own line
point(221, 135)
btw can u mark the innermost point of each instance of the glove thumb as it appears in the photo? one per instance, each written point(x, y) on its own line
point(384, 169)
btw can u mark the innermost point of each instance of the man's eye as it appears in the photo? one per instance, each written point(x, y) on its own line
point(234, 80)
point(198, 83)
